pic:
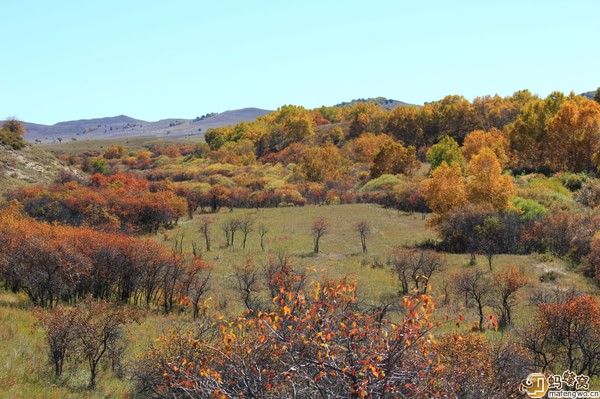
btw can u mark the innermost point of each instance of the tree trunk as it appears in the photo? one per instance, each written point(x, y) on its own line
point(480, 308)
point(473, 260)
point(92, 383)
point(207, 240)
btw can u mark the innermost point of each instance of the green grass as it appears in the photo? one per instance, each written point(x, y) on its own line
point(24, 369)
point(340, 255)
point(130, 143)
point(289, 233)
point(26, 373)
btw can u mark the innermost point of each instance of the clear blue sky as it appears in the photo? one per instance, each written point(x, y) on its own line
point(148, 59)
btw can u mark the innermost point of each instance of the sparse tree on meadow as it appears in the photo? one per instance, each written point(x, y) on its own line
point(226, 228)
point(477, 285)
point(246, 226)
point(58, 325)
point(565, 335)
point(507, 284)
point(234, 225)
point(319, 228)
point(363, 230)
point(99, 327)
point(262, 232)
point(489, 234)
point(197, 284)
point(247, 284)
point(205, 223)
point(416, 266)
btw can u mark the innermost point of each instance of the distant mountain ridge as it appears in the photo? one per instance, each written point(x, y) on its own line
point(121, 126)
point(589, 94)
point(125, 126)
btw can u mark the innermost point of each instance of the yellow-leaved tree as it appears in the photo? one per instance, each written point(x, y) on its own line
point(574, 134)
point(479, 139)
point(445, 189)
point(486, 185)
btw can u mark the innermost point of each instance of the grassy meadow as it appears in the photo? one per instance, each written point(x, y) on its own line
point(24, 370)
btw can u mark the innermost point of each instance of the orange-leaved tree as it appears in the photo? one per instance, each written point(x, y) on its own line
point(314, 343)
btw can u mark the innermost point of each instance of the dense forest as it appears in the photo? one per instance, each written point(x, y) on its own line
point(492, 275)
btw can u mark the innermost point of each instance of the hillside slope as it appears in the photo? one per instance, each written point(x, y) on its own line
point(29, 165)
point(125, 126)
point(589, 94)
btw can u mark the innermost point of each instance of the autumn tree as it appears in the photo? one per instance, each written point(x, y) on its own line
point(366, 146)
point(457, 229)
point(262, 233)
point(476, 285)
point(394, 158)
point(173, 273)
point(196, 283)
point(527, 136)
point(446, 150)
point(58, 324)
point(311, 344)
point(493, 139)
point(280, 275)
point(289, 124)
point(205, 223)
point(364, 230)
point(485, 182)
point(114, 152)
point(506, 286)
point(321, 164)
point(247, 284)
point(488, 235)
point(565, 335)
point(246, 227)
point(408, 125)
point(11, 134)
point(319, 228)
point(574, 136)
point(414, 268)
point(364, 117)
point(99, 328)
point(455, 117)
point(234, 226)
point(472, 367)
point(226, 228)
point(14, 126)
point(495, 112)
point(445, 189)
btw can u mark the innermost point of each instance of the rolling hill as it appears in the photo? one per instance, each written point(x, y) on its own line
point(589, 94)
point(383, 101)
point(29, 165)
point(125, 126)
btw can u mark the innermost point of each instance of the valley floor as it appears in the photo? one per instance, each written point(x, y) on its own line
point(24, 370)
